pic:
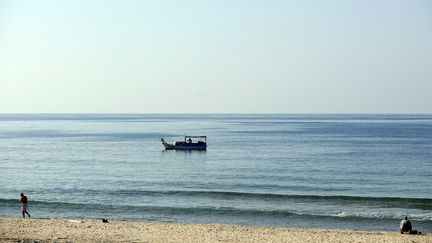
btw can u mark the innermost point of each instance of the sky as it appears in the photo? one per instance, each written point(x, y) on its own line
point(224, 56)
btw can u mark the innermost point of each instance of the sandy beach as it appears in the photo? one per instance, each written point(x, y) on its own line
point(89, 230)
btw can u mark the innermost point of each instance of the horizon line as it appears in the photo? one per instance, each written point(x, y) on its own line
point(214, 113)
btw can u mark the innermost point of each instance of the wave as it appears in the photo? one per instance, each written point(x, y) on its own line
point(84, 208)
point(421, 207)
point(415, 203)
point(379, 202)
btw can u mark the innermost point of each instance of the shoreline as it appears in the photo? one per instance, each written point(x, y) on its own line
point(93, 230)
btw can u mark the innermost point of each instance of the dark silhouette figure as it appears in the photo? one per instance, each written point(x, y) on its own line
point(406, 227)
point(23, 202)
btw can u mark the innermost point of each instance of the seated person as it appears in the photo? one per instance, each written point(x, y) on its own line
point(406, 227)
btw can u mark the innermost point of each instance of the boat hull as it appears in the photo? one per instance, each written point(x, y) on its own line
point(184, 146)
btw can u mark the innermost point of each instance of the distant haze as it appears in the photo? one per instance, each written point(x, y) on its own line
point(216, 56)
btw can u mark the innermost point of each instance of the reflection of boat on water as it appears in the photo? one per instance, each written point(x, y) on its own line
point(189, 143)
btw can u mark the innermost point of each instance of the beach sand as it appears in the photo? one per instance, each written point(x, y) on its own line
point(66, 230)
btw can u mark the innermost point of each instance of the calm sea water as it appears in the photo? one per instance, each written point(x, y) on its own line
point(361, 172)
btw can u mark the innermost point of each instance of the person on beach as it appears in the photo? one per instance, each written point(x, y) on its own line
point(406, 227)
point(23, 202)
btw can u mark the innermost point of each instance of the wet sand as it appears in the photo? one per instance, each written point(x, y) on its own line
point(67, 230)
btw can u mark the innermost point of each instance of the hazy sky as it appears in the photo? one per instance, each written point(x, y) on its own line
point(216, 56)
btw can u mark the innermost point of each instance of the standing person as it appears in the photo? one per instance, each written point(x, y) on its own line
point(23, 202)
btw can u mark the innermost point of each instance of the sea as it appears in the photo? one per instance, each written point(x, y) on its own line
point(331, 171)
